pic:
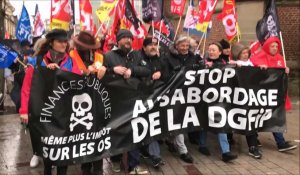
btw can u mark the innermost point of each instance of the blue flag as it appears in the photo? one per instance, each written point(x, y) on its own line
point(23, 30)
point(7, 56)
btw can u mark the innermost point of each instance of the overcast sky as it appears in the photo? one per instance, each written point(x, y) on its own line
point(44, 7)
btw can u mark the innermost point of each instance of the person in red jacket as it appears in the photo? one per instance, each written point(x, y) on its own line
point(269, 57)
point(53, 55)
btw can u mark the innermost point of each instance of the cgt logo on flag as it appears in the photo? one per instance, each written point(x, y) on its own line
point(81, 106)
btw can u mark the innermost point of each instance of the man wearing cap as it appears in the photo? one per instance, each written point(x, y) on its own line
point(150, 54)
point(124, 62)
point(85, 54)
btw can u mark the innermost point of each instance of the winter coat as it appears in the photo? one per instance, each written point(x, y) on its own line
point(273, 61)
point(66, 64)
point(174, 61)
point(265, 58)
point(154, 63)
point(216, 62)
point(132, 60)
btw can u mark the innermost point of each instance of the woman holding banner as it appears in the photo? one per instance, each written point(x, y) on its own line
point(53, 55)
point(269, 57)
point(214, 59)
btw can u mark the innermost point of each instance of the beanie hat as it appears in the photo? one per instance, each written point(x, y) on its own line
point(225, 44)
point(122, 33)
point(149, 40)
point(237, 49)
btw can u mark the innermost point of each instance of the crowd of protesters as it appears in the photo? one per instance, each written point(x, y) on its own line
point(84, 55)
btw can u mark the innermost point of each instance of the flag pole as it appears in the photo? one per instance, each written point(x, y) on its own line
point(99, 29)
point(283, 53)
point(19, 61)
point(177, 27)
point(198, 47)
point(152, 23)
point(204, 45)
point(160, 26)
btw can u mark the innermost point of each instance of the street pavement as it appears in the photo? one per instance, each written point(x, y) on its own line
point(16, 152)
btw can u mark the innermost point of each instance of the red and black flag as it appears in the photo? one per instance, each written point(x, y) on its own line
point(164, 33)
point(130, 14)
point(269, 25)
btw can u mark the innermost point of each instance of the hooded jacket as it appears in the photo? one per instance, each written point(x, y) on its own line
point(265, 58)
point(273, 61)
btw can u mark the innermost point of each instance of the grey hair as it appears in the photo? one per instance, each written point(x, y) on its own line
point(181, 39)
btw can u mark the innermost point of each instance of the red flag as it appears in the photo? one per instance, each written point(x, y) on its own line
point(60, 14)
point(94, 31)
point(86, 17)
point(229, 19)
point(206, 10)
point(177, 7)
point(135, 26)
point(38, 24)
point(7, 36)
point(254, 47)
point(138, 36)
point(119, 13)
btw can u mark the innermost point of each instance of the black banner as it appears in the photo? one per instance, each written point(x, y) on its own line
point(76, 119)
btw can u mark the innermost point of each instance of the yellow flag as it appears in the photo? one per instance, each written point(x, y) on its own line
point(202, 27)
point(103, 11)
point(59, 24)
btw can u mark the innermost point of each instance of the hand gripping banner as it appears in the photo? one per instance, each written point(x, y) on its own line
point(76, 119)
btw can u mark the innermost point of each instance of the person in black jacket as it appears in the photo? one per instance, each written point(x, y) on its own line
point(214, 60)
point(150, 54)
point(180, 56)
point(124, 62)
